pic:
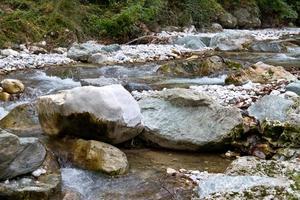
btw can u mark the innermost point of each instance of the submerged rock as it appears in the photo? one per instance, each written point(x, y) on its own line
point(260, 73)
point(12, 86)
point(106, 113)
point(186, 120)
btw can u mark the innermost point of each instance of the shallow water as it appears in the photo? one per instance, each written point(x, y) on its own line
point(147, 176)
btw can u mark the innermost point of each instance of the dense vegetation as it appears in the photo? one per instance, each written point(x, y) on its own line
point(65, 21)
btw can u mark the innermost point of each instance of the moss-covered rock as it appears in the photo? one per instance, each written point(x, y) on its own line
point(194, 67)
point(259, 73)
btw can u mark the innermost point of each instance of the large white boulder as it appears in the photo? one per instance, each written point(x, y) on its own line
point(106, 113)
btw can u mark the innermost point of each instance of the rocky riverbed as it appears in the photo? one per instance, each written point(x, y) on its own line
point(176, 115)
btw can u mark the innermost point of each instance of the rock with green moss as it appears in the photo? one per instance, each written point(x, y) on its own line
point(227, 20)
point(106, 113)
point(284, 170)
point(193, 67)
point(248, 16)
point(22, 120)
point(279, 120)
point(186, 120)
point(259, 73)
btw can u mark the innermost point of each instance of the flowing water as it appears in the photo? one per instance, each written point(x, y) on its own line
point(145, 179)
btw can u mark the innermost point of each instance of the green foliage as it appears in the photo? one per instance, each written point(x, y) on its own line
point(126, 22)
point(63, 21)
point(203, 12)
point(278, 8)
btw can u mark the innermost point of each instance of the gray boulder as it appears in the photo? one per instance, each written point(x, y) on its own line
point(231, 41)
point(98, 58)
point(294, 87)
point(270, 107)
point(186, 120)
point(9, 148)
point(279, 120)
point(45, 186)
point(82, 52)
point(106, 113)
point(191, 42)
point(29, 156)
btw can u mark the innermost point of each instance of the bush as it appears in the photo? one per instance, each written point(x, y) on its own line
point(277, 9)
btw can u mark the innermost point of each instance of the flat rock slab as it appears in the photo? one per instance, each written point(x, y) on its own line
point(186, 120)
point(227, 184)
point(270, 107)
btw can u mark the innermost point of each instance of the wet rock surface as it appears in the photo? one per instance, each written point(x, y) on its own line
point(45, 186)
point(22, 120)
point(30, 155)
point(92, 155)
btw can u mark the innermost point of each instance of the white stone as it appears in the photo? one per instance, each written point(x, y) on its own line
point(9, 52)
point(39, 172)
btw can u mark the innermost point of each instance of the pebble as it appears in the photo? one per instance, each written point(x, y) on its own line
point(39, 172)
point(171, 171)
point(27, 60)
